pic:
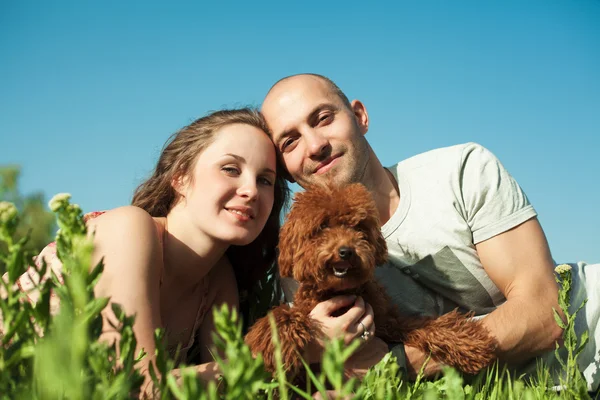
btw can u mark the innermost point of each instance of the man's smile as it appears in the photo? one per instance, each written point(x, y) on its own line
point(326, 165)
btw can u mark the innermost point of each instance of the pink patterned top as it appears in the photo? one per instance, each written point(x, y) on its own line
point(31, 278)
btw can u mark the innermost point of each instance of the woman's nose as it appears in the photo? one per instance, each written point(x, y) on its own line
point(249, 190)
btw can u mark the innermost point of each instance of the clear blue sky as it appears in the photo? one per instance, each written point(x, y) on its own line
point(90, 91)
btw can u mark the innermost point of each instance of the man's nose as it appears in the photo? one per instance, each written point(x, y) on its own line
point(316, 143)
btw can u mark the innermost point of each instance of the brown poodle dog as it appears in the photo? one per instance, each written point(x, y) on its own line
point(331, 243)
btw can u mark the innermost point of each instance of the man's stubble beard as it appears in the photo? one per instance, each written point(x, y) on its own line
point(349, 173)
point(362, 156)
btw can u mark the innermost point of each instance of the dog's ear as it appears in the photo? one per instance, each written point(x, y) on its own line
point(381, 253)
point(362, 196)
point(287, 243)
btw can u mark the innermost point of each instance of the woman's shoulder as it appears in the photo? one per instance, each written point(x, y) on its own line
point(126, 239)
point(126, 219)
point(123, 214)
point(125, 227)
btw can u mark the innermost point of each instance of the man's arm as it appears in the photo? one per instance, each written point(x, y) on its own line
point(519, 263)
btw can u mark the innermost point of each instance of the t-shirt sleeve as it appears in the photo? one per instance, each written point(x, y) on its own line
point(493, 202)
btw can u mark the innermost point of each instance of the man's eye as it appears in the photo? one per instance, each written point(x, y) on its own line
point(325, 118)
point(287, 143)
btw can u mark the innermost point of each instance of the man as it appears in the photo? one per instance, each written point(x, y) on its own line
point(460, 231)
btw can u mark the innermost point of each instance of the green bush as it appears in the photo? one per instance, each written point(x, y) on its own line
point(60, 357)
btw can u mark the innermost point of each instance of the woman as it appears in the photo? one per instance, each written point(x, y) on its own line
point(208, 214)
point(201, 229)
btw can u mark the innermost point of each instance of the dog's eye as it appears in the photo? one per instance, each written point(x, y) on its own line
point(361, 226)
point(323, 225)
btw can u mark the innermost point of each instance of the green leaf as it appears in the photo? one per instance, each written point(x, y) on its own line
point(585, 338)
point(41, 310)
point(23, 352)
point(15, 326)
point(583, 303)
point(16, 265)
point(174, 388)
point(313, 379)
point(94, 307)
point(117, 309)
point(94, 275)
point(558, 319)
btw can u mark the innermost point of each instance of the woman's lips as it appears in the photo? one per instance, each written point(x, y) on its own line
point(241, 213)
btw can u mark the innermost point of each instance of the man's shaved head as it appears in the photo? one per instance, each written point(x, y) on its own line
point(330, 84)
point(317, 131)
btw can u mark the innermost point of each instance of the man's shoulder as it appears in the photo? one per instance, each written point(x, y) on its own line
point(442, 157)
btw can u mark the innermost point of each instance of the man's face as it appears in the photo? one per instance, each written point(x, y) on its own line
point(318, 135)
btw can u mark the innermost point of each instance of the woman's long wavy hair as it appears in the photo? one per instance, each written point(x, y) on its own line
point(177, 159)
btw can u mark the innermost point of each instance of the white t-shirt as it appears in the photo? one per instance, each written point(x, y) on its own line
point(450, 199)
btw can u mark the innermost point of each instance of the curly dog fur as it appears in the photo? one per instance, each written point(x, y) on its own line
point(331, 243)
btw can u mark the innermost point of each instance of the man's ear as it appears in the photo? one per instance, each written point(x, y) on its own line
point(361, 115)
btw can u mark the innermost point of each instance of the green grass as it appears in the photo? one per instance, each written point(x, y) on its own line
point(69, 362)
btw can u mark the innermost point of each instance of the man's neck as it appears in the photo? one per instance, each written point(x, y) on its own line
point(383, 187)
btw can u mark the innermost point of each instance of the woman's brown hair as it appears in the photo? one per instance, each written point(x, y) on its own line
point(157, 196)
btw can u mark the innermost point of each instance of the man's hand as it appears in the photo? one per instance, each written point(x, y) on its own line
point(365, 357)
point(415, 359)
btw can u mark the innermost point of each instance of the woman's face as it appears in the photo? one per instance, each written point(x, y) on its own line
point(230, 195)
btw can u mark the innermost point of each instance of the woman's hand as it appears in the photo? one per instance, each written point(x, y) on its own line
point(350, 325)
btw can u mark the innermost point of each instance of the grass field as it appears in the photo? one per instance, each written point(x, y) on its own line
point(59, 357)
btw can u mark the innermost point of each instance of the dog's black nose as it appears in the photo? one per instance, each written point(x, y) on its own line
point(345, 252)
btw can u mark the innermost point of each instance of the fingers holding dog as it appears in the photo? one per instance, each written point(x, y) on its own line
point(329, 307)
point(332, 322)
point(349, 324)
point(367, 325)
point(358, 322)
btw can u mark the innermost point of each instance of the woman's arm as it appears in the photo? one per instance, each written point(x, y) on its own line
point(126, 238)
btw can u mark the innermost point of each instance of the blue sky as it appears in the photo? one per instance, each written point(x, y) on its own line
point(90, 91)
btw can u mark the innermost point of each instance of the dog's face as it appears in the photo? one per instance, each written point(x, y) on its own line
point(332, 238)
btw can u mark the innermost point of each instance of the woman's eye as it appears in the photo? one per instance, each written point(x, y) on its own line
point(265, 181)
point(231, 171)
